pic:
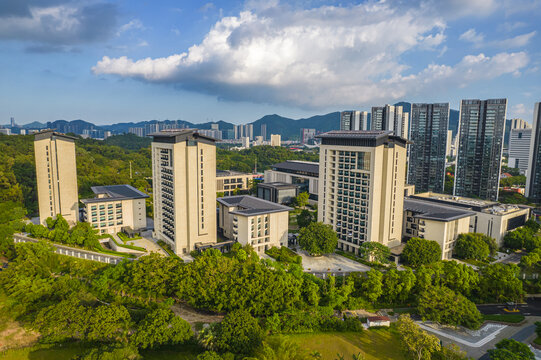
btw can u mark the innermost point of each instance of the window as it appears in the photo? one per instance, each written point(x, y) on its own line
point(94, 207)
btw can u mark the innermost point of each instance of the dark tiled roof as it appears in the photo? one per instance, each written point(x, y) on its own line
point(48, 133)
point(222, 173)
point(115, 192)
point(249, 205)
point(175, 136)
point(357, 134)
point(426, 210)
point(300, 166)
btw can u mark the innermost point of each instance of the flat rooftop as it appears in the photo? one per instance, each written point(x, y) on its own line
point(114, 192)
point(178, 135)
point(224, 173)
point(429, 211)
point(278, 185)
point(49, 133)
point(250, 206)
point(360, 138)
point(301, 167)
point(480, 205)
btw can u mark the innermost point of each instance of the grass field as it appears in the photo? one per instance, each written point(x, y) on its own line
point(12, 334)
point(376, 344)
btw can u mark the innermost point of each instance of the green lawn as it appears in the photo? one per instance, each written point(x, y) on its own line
point(376, 344)
point(67, 351)
point(509, 318)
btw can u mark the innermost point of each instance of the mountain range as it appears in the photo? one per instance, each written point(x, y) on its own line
point(289, 128)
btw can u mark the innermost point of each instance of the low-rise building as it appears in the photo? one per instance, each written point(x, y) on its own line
point(228, 181)
point(304, 174)
point(276, 140)
point(249, 220)
point(490, 218)
point(114, 208)
point(442, 224)
point(372, 321)
point(277, 192)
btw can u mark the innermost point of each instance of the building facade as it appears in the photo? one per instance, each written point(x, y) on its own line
point(361, 186)
point(228, 181)
point(429, 221)
point(264, 132)
point(184, 189)
point(276, 140)
point(114, 208)
point(303, 174)
point(490, 218)
point(56, 176)
point(519, 124)
point(519, 149)
point(307, 134)
point(353, 120)
point(481, 132)
point(277, 192)
point(252, 221)
point(533, 178)
point(392, 118)
point(426, 166)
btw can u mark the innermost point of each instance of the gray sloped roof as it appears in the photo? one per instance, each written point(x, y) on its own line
point(115, 192)
point(248, 205)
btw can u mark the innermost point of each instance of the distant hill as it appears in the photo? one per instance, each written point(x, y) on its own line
point(34, 125)
point(291, 128)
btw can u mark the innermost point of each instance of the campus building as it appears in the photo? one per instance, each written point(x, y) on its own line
point(482, 125)
point(361, 186)
point(276, 140)
point(277, 192)
point(490, 218)
point(257, 222)
point(426, 220)
point(354, 120)
point(228, 181)
point(116, 208)
point(519, 149)
point(304, 174)
point(56, 176)
point(184, 188)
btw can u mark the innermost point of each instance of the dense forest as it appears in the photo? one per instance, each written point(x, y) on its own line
point(123, 159)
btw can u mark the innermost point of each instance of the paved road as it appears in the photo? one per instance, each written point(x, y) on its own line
point(531, 308)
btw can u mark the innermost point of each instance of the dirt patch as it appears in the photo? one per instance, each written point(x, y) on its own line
point(14, 335)
point(194, 316)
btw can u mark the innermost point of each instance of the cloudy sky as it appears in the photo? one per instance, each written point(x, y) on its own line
point(134, 60)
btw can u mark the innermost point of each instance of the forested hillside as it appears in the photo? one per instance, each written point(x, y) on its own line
point(108, 163)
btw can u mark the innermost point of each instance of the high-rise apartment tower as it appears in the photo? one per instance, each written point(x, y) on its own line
point(426, 167)
point(533, 178)
point(481, 131)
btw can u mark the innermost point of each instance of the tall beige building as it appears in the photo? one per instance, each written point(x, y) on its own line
point(56, 174)
point(276, 140)
point(361, 186)
point(184, 188)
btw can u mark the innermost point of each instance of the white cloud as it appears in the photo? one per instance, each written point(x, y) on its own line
point(134, 24)
point(208, 6)
point(313, 58)
point(472, 36)
point(521, 111)
point(514, 42)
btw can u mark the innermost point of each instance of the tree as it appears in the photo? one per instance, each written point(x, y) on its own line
point(318, 239)
point(509, 349)
point(280, 348)
point(471, 246)
point(304, 218)
point(302, 199)
point(420, 251)
point(239, 333)
point(442, 305)
point(500, 282)
point(375, 251)
point(521, 238)
point(161, 327)
point(418, 343)
point(372, 286)
point(397, 285)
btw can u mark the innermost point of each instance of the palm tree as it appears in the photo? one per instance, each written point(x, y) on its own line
point(279, 348)
point(359, 356)
point(315, 354)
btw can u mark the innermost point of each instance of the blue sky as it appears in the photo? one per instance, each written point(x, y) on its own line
point(121, 61)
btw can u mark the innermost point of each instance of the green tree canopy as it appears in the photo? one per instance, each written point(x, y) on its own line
point(304, 218)
point(239, 333)
point(471, 246)
point(318, 239)
point(421, 252)
point(415, 341)
point(161, 327)
point(442, 305)
point(374, 251)
point(302, 199)
point(509, 349)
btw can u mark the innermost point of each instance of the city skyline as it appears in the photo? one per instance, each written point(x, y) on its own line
point(108, 62)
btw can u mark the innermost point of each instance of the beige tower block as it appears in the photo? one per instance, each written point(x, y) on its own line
point(56, 174)
point(184, 188)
